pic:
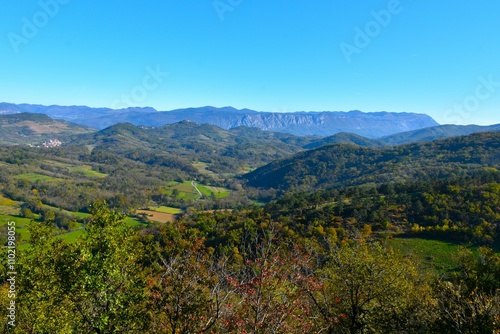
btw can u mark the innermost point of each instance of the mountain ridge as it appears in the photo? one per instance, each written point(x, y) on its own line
point(340, 164)
point(322, 123)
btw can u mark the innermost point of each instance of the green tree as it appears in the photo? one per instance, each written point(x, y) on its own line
point(96, 285)
point(469, 302)
point(42, 304)
point(26, 213)
point(106, 282)
point(367, 288)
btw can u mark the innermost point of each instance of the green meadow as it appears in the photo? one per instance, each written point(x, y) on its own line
point(166, 209)
point(436, 255)
point(87, 171)
point(34, 177)
point(186, 191)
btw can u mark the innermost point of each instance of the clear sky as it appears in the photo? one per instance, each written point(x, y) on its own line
point(441, 58)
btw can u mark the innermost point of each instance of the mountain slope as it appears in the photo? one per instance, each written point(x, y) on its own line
point(226, 151)
point(345, 138)
point(415, 136)
point(29, 128)
point(436, 132)
point(346, 164)
point(299, 123)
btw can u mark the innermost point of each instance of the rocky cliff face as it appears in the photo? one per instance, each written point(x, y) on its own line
point(325, 123)
point(314, 123)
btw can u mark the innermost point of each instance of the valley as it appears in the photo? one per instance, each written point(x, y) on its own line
point(274, 210)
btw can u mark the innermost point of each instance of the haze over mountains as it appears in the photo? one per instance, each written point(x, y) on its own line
point(371, 125)
point(34, 129)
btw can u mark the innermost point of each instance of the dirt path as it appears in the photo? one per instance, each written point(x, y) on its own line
point(198, 190)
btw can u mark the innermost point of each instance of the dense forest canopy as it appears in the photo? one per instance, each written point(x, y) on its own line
point(346, 164)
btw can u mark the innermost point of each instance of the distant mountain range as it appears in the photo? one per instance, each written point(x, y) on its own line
point(371, 125)
point(33, 128)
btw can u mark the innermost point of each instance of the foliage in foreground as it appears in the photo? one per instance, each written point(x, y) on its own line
point(259, 279)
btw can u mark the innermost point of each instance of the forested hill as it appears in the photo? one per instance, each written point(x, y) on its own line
point(227, 151)
point(346, 164)
point(27, 128)
point(436, 132)
point(345, 138)
point(407, 137)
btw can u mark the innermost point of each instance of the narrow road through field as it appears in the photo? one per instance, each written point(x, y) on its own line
point(198, 190)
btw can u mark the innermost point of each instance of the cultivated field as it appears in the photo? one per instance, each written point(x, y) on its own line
point(160, 217)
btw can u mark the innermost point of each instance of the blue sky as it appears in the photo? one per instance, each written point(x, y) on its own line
point(441, 58)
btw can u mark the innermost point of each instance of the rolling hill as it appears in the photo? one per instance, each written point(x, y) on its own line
point(225, 151)
point(436, 132)
point(345, 138)
point(347, 164)
point(415, 136)
point(34, 129)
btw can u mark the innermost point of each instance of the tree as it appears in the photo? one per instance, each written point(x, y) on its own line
point(43, 306)
point(469, 302)
point(105, 281)
point(269, 293)
point(96, 285)
point(26, 213)
point(367, 288)
point(188, 294)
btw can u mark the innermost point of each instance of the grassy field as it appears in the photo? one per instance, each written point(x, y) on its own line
point(70, 213)
point(186, 186)
point(6, 201)
point(186, 190)
point(133, 222)
point(162, 214)
point(33, 177)
point(433, 254)
point(58, 163)
point(166, 209)
point(84, 170)
point(87, 171)
point(8, 206)
point(9, 210)
point(202, 168)
point(23, 234)
point(70, 237)
point(219, 192)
